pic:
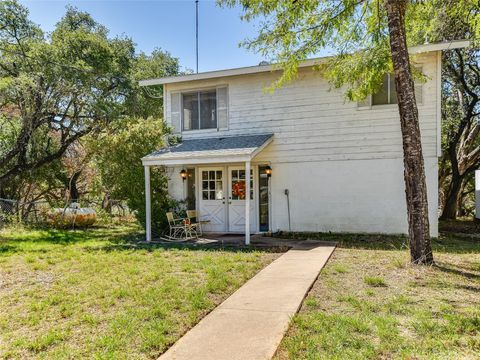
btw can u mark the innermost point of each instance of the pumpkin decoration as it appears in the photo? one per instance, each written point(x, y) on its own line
point(73, 215)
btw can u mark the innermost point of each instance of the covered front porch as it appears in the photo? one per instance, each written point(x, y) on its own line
point(219, 178)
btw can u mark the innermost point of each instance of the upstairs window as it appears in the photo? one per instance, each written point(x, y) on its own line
point(199, 110)
point(387, 93)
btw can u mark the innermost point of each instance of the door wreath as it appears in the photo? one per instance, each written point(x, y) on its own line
point(238, 189)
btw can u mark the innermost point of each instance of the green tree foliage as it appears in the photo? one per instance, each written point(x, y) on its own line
point(117, 155)
point(460, 132)
point(56, 88)
point(370, 38)
point(118, 150)
point(355, 31)
point(441, 20)
point(72, 109)
point(145, 102)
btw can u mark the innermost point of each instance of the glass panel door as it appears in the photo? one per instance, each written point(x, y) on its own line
point(212, 185)
point(236, 200)
point(237, 184)
point(212, 204)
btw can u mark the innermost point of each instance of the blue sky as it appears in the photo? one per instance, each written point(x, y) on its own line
point(168, 24)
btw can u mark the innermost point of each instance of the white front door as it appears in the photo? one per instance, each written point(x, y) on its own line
point(236, 199)
point(212, 204)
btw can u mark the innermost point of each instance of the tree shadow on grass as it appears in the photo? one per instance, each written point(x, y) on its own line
point(107, 239)
point(130, 237)
point(24, 239)
point(140, 245)
point(456, 270)
point(446, 243)
point(355, 241)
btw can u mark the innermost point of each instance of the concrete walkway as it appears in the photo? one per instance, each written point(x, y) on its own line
point(251, 323)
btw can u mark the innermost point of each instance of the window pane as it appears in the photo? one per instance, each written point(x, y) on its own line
point(208, 110)
point(211, 175)
point(263, 198)
point(205, 195)
point(204, 175)
point(190, 111)
point(393, 91)
point(381, 97)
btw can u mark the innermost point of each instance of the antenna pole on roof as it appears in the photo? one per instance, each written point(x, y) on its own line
point(196, 30)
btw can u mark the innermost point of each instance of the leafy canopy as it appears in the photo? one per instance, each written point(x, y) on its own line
point(355, 31)
point(56, 88)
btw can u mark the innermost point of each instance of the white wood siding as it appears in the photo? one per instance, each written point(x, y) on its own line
point(312, 122)
point(342, 165)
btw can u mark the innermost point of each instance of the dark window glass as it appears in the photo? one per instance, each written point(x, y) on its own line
point(393, 91)
point(387, 93)
point(381, 97)
point(191, 189)
point(263, 199)
point(200, 110)
point(190, 111)
point(212, 186)
point(208, 110)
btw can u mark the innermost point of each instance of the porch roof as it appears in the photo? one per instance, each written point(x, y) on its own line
point(210, 150)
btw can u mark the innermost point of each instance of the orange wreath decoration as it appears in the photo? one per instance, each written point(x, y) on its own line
point(238, 189)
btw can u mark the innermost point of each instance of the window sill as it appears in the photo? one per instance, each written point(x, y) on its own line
point(203, 131)
point(199, 131)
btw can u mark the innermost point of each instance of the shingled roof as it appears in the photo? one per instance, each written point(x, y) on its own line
point(233, 146)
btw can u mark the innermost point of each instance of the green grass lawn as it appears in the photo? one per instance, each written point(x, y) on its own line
point(370, 303)
point(95, 294)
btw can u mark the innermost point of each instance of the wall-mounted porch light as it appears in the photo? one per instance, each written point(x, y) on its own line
point(268, 171)
point(183, 174)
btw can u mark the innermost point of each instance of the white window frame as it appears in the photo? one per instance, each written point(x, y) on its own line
point(197, 91)
point(369, 99)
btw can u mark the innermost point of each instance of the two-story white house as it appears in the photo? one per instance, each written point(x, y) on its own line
point(317, 162)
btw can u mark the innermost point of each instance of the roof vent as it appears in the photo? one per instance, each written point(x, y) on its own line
point(263, 63)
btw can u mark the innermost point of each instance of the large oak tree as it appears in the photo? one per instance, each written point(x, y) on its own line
point(443, 20)
point(56, 88)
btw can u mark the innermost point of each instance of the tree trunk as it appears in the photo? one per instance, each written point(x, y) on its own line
point(450, 208)
point(414, 169)
point(72, 186)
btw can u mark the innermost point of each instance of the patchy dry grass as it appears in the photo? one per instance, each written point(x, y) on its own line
point(95, 294)
point(370, 303)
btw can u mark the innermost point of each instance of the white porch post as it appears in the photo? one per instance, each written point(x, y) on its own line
point(148, 205)
point(247, 203)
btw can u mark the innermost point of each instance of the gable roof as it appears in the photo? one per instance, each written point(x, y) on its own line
point(273, 67)
point(209, 150)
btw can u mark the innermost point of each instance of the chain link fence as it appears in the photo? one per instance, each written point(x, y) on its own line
point(40, 211)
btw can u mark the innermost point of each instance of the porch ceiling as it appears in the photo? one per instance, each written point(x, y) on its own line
point(210, 150)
